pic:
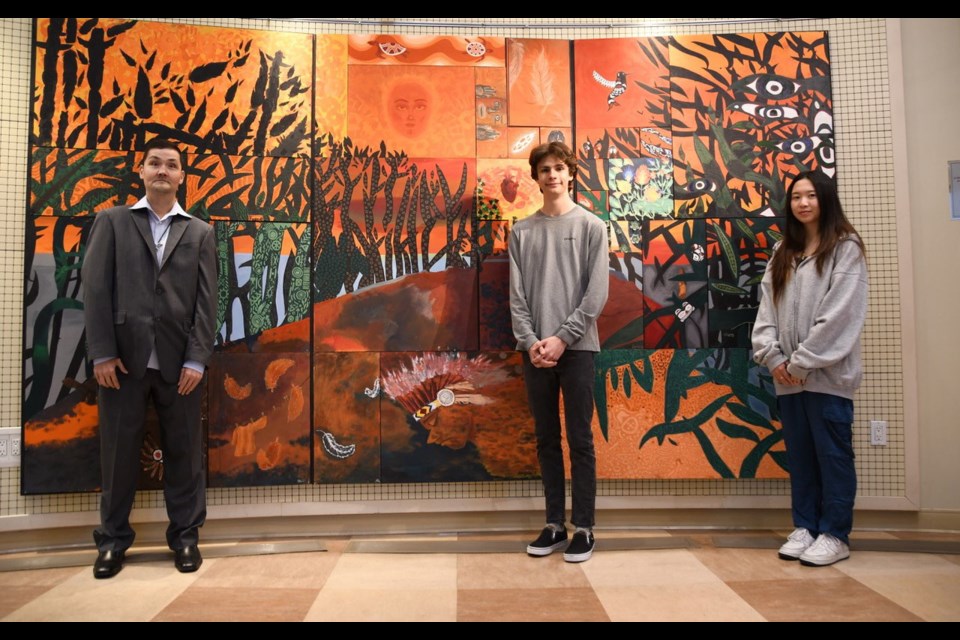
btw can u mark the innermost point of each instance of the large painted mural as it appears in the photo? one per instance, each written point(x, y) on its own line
point(362, 189)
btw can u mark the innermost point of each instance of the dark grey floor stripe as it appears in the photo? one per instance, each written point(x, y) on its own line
point(507, 546)
point(79, 558)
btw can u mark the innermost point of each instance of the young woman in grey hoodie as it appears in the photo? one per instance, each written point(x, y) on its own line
point(812, 309)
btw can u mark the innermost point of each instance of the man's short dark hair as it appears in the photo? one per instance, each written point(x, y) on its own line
point(557, 149)
point(163, 143)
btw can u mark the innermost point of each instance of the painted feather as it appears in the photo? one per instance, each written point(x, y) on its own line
point(541, 81)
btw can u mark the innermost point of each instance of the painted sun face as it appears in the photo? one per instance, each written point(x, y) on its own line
point(409, 106)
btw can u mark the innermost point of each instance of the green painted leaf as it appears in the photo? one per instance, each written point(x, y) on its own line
point(749, 416)
point(712, 456)
point(737, 431)
point(679, 379)
point(748, 469)
point(687, 425)
point(644, 378)
point(745, 228)
point(728, 253)
point(723, 287)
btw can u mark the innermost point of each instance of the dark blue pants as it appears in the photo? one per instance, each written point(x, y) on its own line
point(573, 376)
point(817, 429)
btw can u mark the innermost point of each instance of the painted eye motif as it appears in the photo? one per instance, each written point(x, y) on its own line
point(770, 86)
point(800, 146)
point(700, 186)
point(769, 114)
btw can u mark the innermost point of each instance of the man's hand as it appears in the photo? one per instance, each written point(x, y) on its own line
point(552, 348)
point(106, 373)
point(189, 379)
point(545, 353)
point(536, 356)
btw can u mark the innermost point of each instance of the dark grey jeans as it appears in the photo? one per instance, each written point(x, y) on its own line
point(574, 377)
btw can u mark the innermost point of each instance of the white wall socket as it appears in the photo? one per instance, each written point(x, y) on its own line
point(10, 446)
point(878, 433)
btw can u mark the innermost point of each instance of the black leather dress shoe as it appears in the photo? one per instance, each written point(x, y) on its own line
point(108, 564)
point(188, 559)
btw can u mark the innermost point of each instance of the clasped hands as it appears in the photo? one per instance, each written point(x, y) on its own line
point(783, 377)
point(545, 353)
point(106, 375)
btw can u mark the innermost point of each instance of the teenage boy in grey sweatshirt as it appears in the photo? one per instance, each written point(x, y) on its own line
point(558, 286)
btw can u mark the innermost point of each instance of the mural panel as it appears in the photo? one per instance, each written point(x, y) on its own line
point(426, 112)
point(705, 413)
point(454, 417)
point(674, 284)
point(346, 417)
point(538, 82)
point(259, 419)
point(264, 277)
point(108, 83)
point(403, 49)
point(737, 255)
point(749, 110)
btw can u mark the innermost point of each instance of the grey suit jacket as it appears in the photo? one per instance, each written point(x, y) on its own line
point(131, 303)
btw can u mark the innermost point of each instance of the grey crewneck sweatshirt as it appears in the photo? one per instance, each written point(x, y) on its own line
point(816, 325)
point(558, 278)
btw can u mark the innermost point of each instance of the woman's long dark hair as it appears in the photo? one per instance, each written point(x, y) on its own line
point(833, 226)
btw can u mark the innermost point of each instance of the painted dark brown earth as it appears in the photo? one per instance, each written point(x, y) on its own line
point(419, 312)
point(277, 449)
point(347, 407)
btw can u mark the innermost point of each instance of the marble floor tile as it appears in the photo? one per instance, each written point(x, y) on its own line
point(926, 584)
point(137, 594)
point(533, 605)
point(394, 571)
point(518, 571)
point(238, 604)
point(821, 599)
point(644, 568)
point(697, 602)
point(396, 604)
point(293, 570)
point(750, 564)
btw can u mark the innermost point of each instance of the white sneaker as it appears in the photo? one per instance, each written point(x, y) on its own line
point(825, 551)
point(797, 542)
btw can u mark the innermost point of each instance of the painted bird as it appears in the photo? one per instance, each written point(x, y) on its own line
point(617, 87)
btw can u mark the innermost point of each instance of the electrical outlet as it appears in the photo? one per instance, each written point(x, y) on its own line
point(878, 433)
point(10, 446)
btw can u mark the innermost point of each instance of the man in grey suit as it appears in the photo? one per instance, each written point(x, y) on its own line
point(150, 305)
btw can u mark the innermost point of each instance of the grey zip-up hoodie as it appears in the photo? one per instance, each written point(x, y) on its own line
point(817, 323)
